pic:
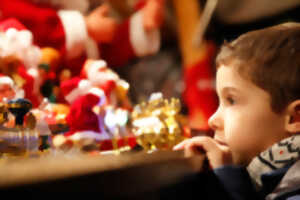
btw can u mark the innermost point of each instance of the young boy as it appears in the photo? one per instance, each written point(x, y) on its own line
point(255, 152)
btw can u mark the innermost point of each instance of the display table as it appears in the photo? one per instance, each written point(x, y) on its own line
point(124, 175)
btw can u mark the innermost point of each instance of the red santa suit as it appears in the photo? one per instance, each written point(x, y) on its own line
point(82, 120)
point(16, 41)
point(66, 31)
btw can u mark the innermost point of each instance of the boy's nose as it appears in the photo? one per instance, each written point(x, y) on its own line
point(215, 122)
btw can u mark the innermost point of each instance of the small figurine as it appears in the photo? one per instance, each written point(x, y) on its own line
point(85, 118)
point(22, 138)
point(99, 106)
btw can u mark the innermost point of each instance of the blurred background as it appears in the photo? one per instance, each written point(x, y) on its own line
point(173, 69)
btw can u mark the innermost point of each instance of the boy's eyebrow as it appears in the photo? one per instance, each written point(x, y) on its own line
point(229, 89)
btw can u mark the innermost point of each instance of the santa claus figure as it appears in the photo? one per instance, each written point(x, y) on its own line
point(86, 116)
point(19, 58)
point(96, 99)
point(95, 35)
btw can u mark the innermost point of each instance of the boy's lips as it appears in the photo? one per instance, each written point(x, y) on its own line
point(221, 142)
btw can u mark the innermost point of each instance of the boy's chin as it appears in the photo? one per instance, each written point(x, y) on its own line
point(241, 160)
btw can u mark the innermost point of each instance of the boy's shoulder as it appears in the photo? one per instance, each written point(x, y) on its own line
point(289, 184)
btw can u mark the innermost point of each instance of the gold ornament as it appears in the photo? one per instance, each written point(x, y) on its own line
point(157, 124)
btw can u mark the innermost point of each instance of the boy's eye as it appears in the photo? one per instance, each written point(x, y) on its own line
point(230, 100)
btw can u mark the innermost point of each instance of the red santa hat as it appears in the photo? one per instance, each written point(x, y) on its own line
point(11, 23)
point(108, 87)
point(76, 87)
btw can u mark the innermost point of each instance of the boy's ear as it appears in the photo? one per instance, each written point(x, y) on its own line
point(293, 117)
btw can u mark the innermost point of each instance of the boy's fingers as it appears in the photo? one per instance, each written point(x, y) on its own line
point(180, 146)
point(200, 141)
point(206, 143)
point(191, 149)
point(202, 144)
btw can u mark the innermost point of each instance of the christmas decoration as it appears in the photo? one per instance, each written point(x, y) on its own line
point(22, 139)
point(157, 124)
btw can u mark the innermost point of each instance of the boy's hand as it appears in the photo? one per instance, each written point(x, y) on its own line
point(217, 154)
point(101, 27)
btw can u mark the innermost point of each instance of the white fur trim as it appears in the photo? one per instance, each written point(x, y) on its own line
point(91, 48)
point(94, 69)
point(124, 84)
point(33, 72)
point(144, 43)
point(75, 31)
point(96, 76)
point(20, 44)
point(83, 87)
point(89, 135)
point(37, 80)
point(6, 80)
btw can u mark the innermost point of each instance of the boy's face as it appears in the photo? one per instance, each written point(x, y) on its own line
point(244, 120)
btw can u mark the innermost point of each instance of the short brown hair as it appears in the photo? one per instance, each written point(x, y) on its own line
point(270, 58)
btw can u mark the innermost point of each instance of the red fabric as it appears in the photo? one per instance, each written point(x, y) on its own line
point(108, 87)
point(81, 116)
point(69, 85)
point(120, 50)
point(75, 65)
point(107, 145)
point(11, 23)
point(200, 100)
point(140, 4)
point(28, 85)
point(41, 20)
